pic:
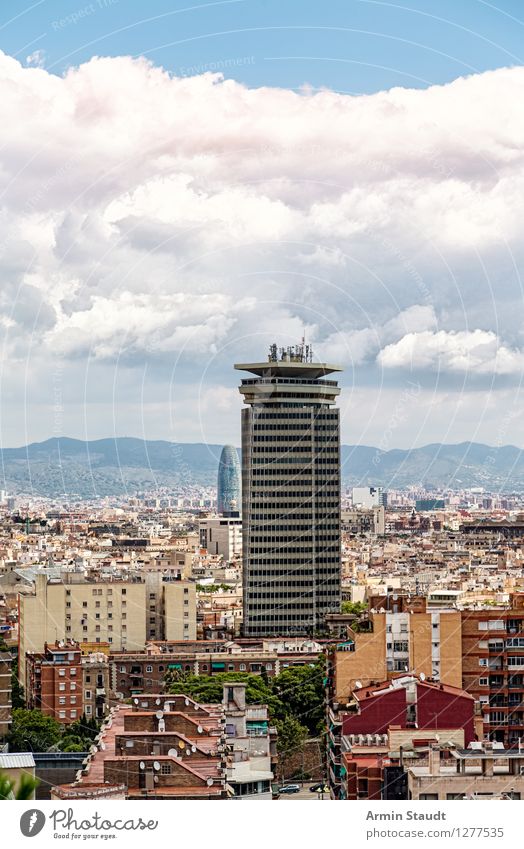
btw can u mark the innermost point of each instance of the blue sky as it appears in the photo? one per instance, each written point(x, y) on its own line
point(357, 170)
point(353, 46)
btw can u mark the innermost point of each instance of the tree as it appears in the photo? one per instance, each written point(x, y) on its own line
point(354, 607)
point(291, 738)
point(33, 731)
point(301, 690)
point(23, 791)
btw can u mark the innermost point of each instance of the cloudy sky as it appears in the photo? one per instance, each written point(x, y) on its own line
point(166, 215)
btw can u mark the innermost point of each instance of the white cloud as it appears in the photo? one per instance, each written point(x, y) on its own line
point(475, 351)
point(149, 217)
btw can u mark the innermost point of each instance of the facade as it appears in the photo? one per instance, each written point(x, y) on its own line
point(53, 682)
point(96, 688)
point(369, 497)
point(222, 536)
point(387, 726)
point(229, 492)
point(251, 745)
point(290, 494)
point(124, 614)
point(482, 772)
point(5, 693)
point(386, 644)
point(493, 667)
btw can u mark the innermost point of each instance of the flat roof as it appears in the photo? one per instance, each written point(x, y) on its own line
point(288, 368)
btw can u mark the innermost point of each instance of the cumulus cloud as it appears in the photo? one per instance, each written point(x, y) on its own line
point(478, 351)
point(158, 219)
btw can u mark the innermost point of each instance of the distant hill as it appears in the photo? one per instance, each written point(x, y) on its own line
point(63, 467)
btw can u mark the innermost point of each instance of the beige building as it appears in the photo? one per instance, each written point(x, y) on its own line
point(480, 773)
point(5, 693)
point(399, 642)
point(125, 614)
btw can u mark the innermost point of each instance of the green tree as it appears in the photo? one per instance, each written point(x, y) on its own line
point(354, 607)
point(22, 791)
point(301, 690)
point(291, 738)
point(32, 731)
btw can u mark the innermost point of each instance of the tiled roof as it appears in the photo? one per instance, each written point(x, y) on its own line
point(22, 760)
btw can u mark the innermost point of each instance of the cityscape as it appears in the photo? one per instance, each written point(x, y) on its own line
point(261, 388)
point(278, 637)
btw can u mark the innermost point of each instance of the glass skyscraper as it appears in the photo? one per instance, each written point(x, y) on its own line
point(229, 481)
point(290, 494)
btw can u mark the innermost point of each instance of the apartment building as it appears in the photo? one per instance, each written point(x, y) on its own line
point(53, 681)
point(124, 614)
point(406, 714)
point(5, 693)
point(493, 667)
point(382, 645)
point(160, 747)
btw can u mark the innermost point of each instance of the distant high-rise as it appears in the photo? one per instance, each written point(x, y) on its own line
point(229, 486)
point(290, 494)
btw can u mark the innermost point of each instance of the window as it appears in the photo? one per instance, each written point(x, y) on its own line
point(61, 687)
point(269, 667)
point(73, 714)
point(87, 694)
point(149, 668)
point(483, 682)
point(124, 591)
point(72, 671)
point(88, 710)
point(242, 667)
point(483, 661)
point(61, 714)
point(84, 604)
point(61, 700)
point(61, 672)
point(73, 685)
point(73, 700)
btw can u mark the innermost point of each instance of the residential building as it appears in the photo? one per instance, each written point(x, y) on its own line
point(290, 494)
point(369, 497)
point(124, 614)
point(485, 771)
point(160, 747)
point(251, 745)
point(53, 682)
point(493, 667)
point(222, 535)
point(6, 660)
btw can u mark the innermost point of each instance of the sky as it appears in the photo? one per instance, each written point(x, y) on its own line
point(183, 184)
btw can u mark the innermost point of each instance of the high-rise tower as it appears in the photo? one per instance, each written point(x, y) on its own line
point(228, 485)
point(290, 493)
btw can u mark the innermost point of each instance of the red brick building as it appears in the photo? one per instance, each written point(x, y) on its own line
point(54, 681)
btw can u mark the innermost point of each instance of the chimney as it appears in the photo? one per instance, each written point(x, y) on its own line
point(434, 760)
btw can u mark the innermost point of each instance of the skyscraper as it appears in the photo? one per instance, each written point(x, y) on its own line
point(290, 493)
point(228, 488)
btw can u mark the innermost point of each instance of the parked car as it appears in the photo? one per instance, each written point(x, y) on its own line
point(289, 788)
point(319, 788)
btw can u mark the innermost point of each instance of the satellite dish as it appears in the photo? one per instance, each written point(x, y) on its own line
point(186, 702)
point(181, 744)
point(422, 676)
point(172, 753)
point(193, 748)
point(188, 752)
point(200, 729)
point(209, 782)
point(135, 701)
point(142, 765)
point(156, 765)
point(157, 701)
point(155, 779)
point(159, 714)
point(358, 685)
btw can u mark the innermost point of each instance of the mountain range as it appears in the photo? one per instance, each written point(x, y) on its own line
point(71, 468)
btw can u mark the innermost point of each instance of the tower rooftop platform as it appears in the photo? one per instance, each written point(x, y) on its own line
point(288, 368)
